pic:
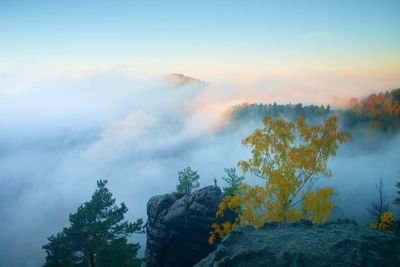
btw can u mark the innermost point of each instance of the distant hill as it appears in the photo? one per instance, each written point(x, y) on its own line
point(178, 79)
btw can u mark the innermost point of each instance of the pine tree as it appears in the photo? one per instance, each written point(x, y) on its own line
point(97, 235)
point(188, 180)
point(234, 182)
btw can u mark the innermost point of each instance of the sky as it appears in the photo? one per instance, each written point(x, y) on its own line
point(202, 38)
point(83, 96)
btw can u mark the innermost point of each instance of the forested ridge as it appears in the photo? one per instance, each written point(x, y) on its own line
point(378, 111)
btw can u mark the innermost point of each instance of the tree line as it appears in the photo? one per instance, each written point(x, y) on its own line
point(379, 111)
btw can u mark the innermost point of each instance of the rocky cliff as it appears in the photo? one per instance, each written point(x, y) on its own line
point(178, 229)
point(335, 243)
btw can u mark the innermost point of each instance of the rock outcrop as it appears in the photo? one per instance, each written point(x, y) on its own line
point(178, 229)
point(335, 243)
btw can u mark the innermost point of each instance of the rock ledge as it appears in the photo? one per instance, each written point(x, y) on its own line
point(335, 243)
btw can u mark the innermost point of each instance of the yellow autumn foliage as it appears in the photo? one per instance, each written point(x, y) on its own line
point(386, 220)
point(317, 205)
point(289, 157)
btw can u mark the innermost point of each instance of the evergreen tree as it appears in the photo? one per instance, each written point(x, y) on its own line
point(97, 235)
point(233, 180)
point(188, 180)
point(397, 200)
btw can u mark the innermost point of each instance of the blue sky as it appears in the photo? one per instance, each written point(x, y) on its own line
point(168, 36)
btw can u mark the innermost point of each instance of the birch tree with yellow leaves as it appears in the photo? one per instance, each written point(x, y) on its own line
point(290, 158)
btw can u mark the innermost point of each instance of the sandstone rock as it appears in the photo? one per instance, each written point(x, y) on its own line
point(178, 229)
point(335, 243)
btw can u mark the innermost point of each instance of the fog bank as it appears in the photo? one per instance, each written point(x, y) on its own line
point(59, 136)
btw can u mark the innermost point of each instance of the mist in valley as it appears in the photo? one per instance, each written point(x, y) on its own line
point(59, 136)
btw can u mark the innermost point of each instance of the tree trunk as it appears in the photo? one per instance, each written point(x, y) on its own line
point(92, 260)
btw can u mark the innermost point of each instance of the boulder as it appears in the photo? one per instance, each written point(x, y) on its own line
point(178, 228)
point(335, 243)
